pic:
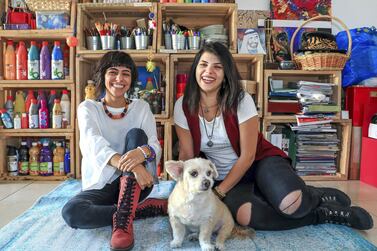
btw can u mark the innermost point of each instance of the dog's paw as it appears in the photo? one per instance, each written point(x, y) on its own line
point(207, 247)
point(193, 237)
point(220, 246)
point(175, 244)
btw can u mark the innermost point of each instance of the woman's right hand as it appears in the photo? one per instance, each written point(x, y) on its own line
point(143, 177)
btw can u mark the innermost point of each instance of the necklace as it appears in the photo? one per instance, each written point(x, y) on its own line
point(209, 143)
point(117, 116)
point(206, 108)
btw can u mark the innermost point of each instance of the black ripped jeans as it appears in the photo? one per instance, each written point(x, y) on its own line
point(265, 185)
point(95, 208)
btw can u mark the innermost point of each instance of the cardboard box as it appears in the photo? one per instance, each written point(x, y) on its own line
point(51, 20)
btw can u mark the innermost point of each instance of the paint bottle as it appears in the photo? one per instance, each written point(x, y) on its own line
point(19, 103)
point(28, 99)
point(67, 161)
point(57, 67)
point(57, 114)
point(45, 161)
point(10, 62)
point(9, 106)
point(50, 104)
point(23, 161)
point(34, 159)
point(58, 160)
point(41, 96)
point(12, 161)
point(17, 122)
point(6, 119)
point(45, 61)
point(33, 62)
point(65, 104)
point(33, 115)
point(65, 59)
point(21, 61)
point(24, 120)
point(43, 115)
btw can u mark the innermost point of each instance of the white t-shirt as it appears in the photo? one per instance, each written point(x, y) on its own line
point(221, 153)
point(101, 137)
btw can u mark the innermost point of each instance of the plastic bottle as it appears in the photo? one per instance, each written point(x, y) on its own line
point(67, 161)
point(33, 115)
point(17, 121)
point(57, 114)
point(23, 161)
point(33, 61)
point(24, 120)
point(34, 159)
point(149, 85)
point(21, 62)
point(50, 103)
point(65, 59)
point(58, 160)
point(9, 106)
point(45, 61)
point(10, 62)
point(65, 103)
point(57, 67)
point(6, 119)
point(12, 161)
point(45, 161)
point(19, 103)
point(41, 96)
point(28, 99)
point(44, 116)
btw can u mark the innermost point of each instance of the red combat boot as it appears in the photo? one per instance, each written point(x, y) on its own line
point(122, 237)
point(152, 207)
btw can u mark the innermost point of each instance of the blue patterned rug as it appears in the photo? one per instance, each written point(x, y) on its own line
point(42, 228)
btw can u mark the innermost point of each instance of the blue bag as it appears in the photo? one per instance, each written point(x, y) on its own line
point(363, 61)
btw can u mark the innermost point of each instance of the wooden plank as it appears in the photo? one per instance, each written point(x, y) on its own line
point(37, 132)
point(17, 35)
point(36, 84)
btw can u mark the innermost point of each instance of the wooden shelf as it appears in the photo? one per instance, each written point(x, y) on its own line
point(17, 35)
point(88, 53)
point(6, 177)
point(50, 132)
point(36, 84)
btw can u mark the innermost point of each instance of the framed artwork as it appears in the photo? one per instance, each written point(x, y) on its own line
point(299, 9)
point(251, 41)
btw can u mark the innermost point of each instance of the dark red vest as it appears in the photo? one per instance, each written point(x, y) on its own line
point(264, 148)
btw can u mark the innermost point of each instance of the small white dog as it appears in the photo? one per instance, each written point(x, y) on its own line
point(192, 204)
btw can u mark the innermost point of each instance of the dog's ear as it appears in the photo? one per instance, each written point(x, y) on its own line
point(174, 169)
point(215, 173)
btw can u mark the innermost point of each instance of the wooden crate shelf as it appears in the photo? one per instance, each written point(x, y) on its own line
point(15, 139)
point(119, 13)
point(195, 16)
point(344, 134)
point(249, 66)
point(297, 75)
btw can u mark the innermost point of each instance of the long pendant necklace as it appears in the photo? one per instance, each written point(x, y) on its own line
point(209, 143)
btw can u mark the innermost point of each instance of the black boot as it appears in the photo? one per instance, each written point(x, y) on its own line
point(355, 217)
point(327, 194)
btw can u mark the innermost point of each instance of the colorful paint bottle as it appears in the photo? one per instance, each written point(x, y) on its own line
point(6, 119)
point(45, 161)
point(50, 103)
point(57, 114)
point(9, 106)
point(33, 62)
point(34, 159)
point(45, 61)
point(57, 66)
point(58, 160)
point(28, 99)
point(12, 161)
point(10, 62)
point(21, 61)
point(23, 162)
point(67, 161)
point(19, 103)
point(33, 115)
point(44, 116)
point(65, 103)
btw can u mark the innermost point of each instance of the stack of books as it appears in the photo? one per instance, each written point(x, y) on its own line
point(317, 148)
point(282, 100)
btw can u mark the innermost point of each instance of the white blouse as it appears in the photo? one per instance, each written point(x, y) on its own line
point(101, 137)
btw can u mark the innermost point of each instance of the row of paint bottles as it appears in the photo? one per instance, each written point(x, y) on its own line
point(32, 65)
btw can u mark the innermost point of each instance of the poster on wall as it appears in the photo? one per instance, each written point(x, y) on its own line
point(251, 41)
point(299, 9)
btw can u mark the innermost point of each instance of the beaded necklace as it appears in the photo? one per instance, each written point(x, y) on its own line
point(117, 116)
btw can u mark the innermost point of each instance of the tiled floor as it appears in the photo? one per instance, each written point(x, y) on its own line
point(17, 197)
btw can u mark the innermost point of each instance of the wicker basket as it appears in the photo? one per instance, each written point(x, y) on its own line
point(49, 5)
point(320, 61)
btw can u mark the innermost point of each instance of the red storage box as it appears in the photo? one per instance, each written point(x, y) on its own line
point(356, 99)
point(368, 167)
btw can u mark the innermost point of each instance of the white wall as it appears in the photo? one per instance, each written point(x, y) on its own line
point(354, 13)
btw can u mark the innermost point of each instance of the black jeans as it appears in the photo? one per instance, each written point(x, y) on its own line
point(95, 208)
point(265, 185)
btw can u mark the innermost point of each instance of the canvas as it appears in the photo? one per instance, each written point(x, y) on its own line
point(299, 9)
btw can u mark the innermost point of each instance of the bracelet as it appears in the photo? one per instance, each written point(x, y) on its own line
point(218, 193)
point(150, 156)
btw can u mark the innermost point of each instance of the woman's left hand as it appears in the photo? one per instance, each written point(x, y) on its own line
point(130, 160)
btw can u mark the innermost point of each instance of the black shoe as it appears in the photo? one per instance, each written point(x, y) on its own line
point(355, 217)
point(328, 194)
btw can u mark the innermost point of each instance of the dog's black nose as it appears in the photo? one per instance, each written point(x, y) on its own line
point(206, 184)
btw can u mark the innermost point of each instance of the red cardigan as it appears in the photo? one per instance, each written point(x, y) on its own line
point(264, 148)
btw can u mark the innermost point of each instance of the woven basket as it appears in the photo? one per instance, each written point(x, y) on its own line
point(320, 61)
point(49, 5)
